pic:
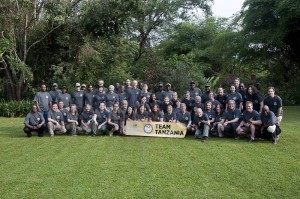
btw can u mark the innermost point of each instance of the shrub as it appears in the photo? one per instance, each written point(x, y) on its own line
point(14, 108)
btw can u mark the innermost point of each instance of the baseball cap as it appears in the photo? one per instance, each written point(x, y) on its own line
point(64, 87)
point(83, 85)
point(168, 84)
point(54, 84)
point(160, 85)
point(207, 85)
point(77, 84)
point(192, 82)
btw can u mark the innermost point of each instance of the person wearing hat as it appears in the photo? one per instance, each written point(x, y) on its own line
point(194, 91)
point(83, 87)
point(64, 97)
point(205, 95)
point(54, 92)
point(159, 93)
point(168, 92)
point(77, 98)
point(34, 121)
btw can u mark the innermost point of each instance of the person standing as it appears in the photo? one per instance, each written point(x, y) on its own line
point(233, 95)
point(205, 96)
point(54, 92)
point(122, 95)
point(160, 92)
point(111, 98)
point(64, 97)
point(145, 93)
point(101, 85)
point(255, 97)
point(88, 96)
point(43, 102)
point(221, 97)
point(99, 97)
point(34, 121)
point(188, 101)
point(133, 94)
point(56, 123)
point(168, 92)
point(274, 102)
point(77, 98)
point(194, 91)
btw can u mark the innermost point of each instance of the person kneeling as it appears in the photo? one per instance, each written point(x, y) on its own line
point(34, 121)
point(56, 121)
point(201, 122)
point(270, 128)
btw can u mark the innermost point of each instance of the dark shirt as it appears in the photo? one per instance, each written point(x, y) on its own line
point(269, 119)
point(65, 98)
point(195, 92)
point(101, 116)
point(273, 103)
point(236, 97)
point(256, 99)
point(86, 116)
point(89, 98)
point(142, 116)
point(147, 95)
point(197, 119)
point(246, 116)
point(57, 116)
point(64, 112)
point(189, 103)
point(232, 114)
point(184, 117)
point(222, 99)
point(77, 98)
point(169, 117)
point(98, 99)
point(156, 117)
point(114, 117)
point(33, 119)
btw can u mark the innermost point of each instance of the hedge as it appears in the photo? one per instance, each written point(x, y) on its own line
point(14, 108)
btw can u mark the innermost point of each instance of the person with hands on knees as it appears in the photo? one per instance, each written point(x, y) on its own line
point(72, 125)
point(56, 123)
point(34, 121)
point(201, 122)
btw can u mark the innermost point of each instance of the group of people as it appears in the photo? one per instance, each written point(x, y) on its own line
point(241, 112)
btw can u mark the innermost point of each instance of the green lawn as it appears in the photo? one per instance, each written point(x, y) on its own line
point(143, 167)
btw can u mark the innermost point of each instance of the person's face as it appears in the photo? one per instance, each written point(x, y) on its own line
point(34, 109)
point(198, 100)
point(122, 89)
point(129, 110)
point(87, 108)
point(83, 88)
point(218, 108)
point(144, 100)
point(250, 90)
point(177, 104)
point(55, 87)
point(100, 89)
point(72, 109)
point(128, 82)
point(199, 112)
point(55, 107)
point(102, 106)
point(265, 112)
point(100, 83)
point(174, 96)
point(169, 109)
point(211, 96)
point(145, 87)
point(182, 108)
point(231, 106)
point(167, 100)
point(116, 107)
point(111, 89)
point(232, 89)
point(78, 88)
point(242, 87)
point(43, 88)
point(208, 106)
point(249, 107)
point(271, 92)
point(155, 108)
point(168, 87)
point(124, 105)
point(220, 91)
point(61, 105)
point(236, 83)
point(64, 90)
point(153, 97)
point(91, 88)
point(142, 109)
point(134, 83)
point(207, 88)
point(187, 96)
point(160, 88)
point(193, 85)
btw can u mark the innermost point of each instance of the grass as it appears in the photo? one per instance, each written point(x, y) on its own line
point(143, 167)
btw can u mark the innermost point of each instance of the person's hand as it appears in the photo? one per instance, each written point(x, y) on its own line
point(76, 123)
point(225, 124)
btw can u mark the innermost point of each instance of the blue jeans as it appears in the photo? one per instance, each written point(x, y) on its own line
point(202, 132)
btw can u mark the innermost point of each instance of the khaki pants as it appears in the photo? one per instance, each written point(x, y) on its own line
point(72, 128)
point(57, 129)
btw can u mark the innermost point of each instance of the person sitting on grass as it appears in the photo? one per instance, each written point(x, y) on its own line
point(219, 119)
point(142, 114)
point(270, 129)
point(72, 121)
point(56, 123)
point(250, 123)
point(86, 119)
point(201, 125)
point(185, 117)
point(34, 121)
point(210, 113)
point(100, 120)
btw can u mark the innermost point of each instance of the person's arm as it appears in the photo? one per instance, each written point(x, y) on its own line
point(94, 118)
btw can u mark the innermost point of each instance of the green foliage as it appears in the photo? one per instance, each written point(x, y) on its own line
point(213, 82)
point(14, 108)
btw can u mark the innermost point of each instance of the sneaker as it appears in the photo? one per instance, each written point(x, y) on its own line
point(237, 137)
point(74, 135)
point(52, 135)
point(221, 135)
point(251, 140)
point(111, 134)
point(274, 141)
point(29, 134)
point(205, 139)
point(93, 135)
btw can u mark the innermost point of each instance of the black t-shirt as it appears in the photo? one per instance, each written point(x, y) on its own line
point(169, 117)
point(101, 116)
point(184, 117)
point(86, 116)
point(156, 117)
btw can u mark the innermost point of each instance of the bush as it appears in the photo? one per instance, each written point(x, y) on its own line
point(14, 108)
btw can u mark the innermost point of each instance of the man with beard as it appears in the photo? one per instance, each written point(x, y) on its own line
point(34, 121)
